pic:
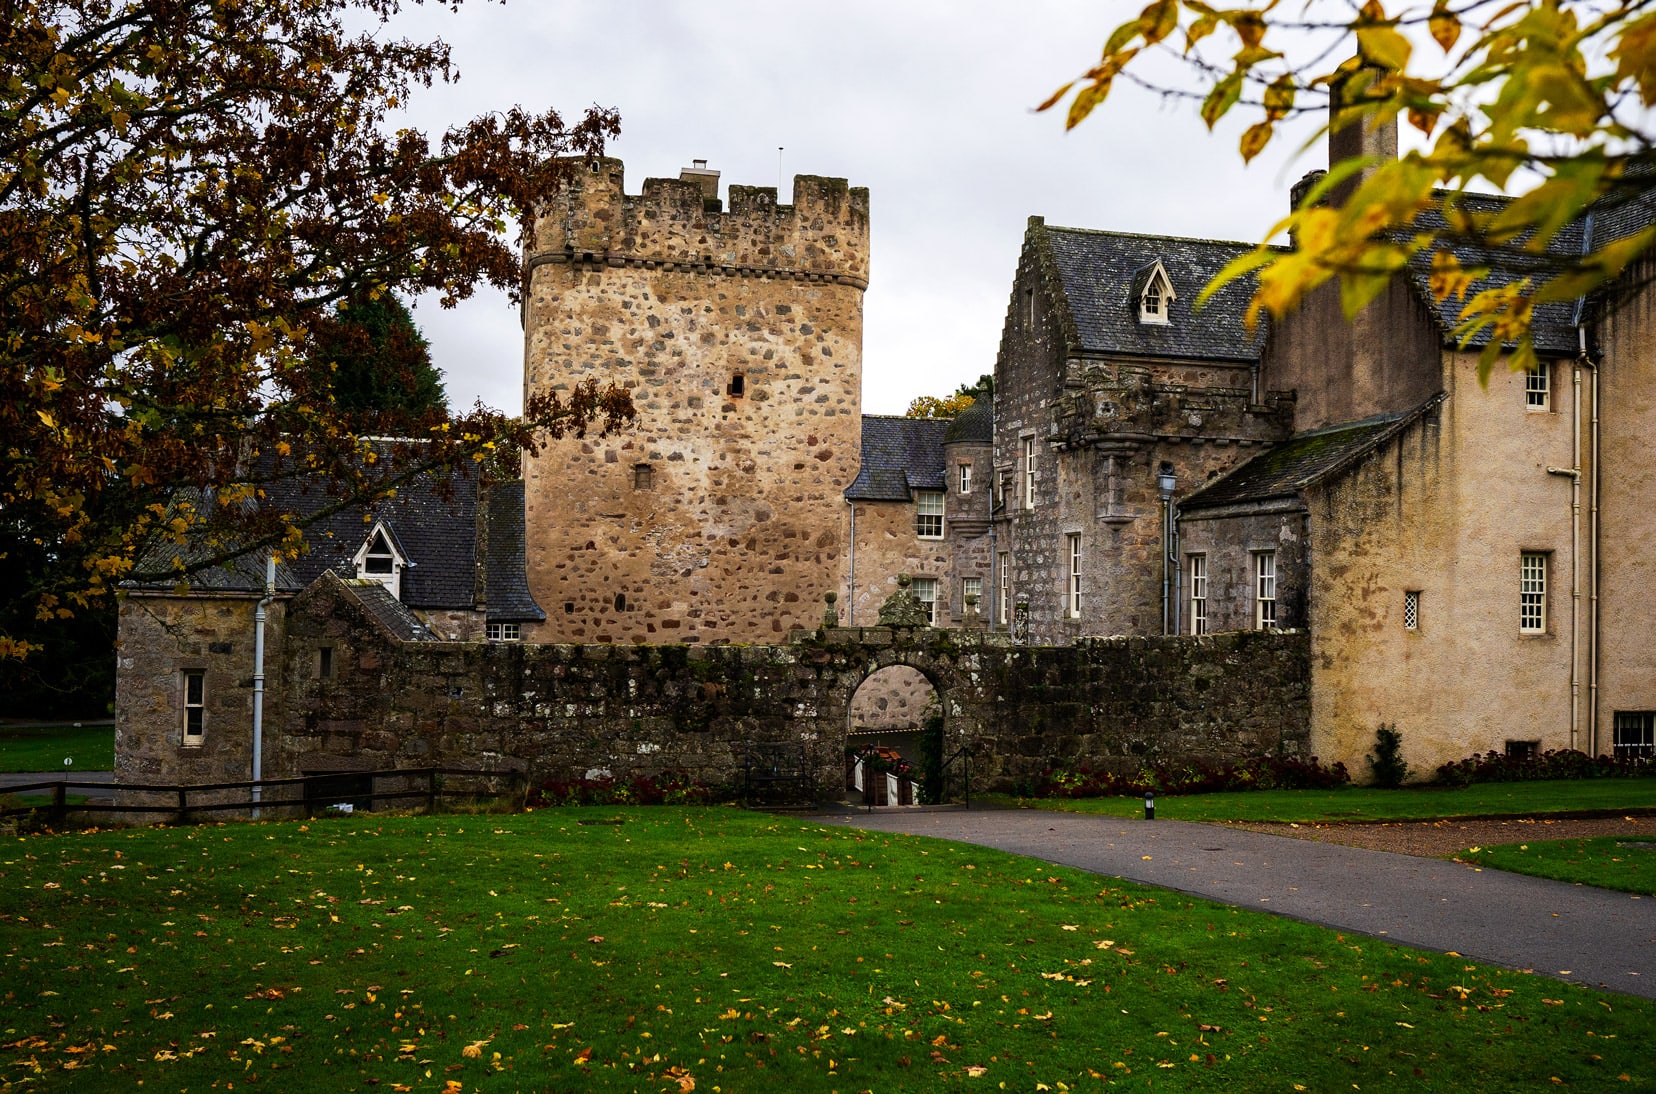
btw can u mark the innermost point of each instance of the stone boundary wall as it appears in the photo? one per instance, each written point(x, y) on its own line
point(558, 712)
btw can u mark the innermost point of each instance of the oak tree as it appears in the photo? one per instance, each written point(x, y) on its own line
point(1546, 100)
point(186, 188)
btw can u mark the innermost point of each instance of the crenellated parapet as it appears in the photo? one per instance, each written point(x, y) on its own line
point(674, 224)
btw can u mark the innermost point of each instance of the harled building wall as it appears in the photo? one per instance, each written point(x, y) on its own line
point(1445, 510)
point(719, 515)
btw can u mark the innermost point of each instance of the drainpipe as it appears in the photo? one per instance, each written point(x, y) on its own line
point(1574, 473)
point(851, 593)
point(1593, 577)
point(259, 678)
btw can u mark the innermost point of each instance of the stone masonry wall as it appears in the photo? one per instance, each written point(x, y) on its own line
point(718, 516)
point(566, 711)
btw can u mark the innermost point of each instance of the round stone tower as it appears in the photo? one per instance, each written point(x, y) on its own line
point(719, 515)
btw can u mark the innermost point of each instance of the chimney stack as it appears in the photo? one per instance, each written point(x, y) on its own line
point(699, 174)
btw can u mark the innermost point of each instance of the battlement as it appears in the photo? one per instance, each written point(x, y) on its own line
point(674, 223)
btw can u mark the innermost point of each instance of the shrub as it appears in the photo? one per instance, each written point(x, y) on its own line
point(666, 788)
point(1498, 767)
point(1386, 761)
point(1263, 773)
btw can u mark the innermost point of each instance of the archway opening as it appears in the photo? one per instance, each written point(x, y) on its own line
point(894, 738)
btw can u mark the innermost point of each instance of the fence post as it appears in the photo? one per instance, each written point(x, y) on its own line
point(60, 805)
point(431, 790)
point(183, 805)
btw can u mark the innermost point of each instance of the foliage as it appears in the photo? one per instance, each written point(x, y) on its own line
point(686, 949)
point(984, 388)
point(1367, 803)
point(1544, 99)
point(44, 748)
point(885, 760)
point(1609, 862)
point(1561, 764)
point(1386, 762)
point(935, 407)
point(377, 366)
point(1267, 773)
point(188, 189)
point(666, 788)
point(932, 789)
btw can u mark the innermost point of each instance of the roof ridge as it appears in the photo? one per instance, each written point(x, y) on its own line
point(1160, 237)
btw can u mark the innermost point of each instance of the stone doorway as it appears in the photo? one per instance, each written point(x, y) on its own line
point(893, 737)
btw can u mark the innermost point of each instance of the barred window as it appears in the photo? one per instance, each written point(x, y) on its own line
point(1265, 607)
point(1634, 734)
point(1532, 593)
point(1198, 594)
point(1411, 611)
point(928, 514)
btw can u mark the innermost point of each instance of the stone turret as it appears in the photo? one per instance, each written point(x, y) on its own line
point(719, 515)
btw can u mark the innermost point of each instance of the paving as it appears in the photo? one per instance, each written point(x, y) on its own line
point(1576, 933)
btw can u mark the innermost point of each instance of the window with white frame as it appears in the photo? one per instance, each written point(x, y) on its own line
point(1156, 299)
point(1003, 595)
point(1029, 472)
point(1411, 610)
point(379, 560)
point(1634, 734)
point(971, 591)
point(925, 591)
point(1198, 594)
point(928, 514)
point(195, 706)
point(965, 478)
point(1072, 589)
point(504, 632)
point(1537, 387)
point(1265, 602)
point(1532, 592)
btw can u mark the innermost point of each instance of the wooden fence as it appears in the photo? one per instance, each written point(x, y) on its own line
point(276, 799)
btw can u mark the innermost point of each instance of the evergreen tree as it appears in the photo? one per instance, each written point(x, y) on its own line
point(377, 365)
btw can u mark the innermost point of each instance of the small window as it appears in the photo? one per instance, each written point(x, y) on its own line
point(925, 591)
point(1532, 593)
point(1198, 594)
point(620, 602)
point(1156, 299)
point(643, 476)
point(1265, 605)
point(1003, 594)
point(1029, 472)
point(1411, 611)
point(1072, 589)
point(195, 706)
point(379, 559)
point(324, 662)
point(738, 386)
point(1523, 750)
point(569, 607)
point(1634, 735)
point(971, 590)
point(504, 632)
point(965, 478)
point(928, 514)
point(1537, 387)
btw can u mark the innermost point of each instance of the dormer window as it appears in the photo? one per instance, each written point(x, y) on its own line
point(1156, 295)
point(379, 560)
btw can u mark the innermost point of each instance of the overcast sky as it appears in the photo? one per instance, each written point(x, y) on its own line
point(928, 104)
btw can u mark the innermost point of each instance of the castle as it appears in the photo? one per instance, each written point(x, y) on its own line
point(1468, 560)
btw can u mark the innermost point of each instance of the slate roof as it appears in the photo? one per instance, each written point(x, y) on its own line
point(509, 600)
point(387, 610)
point(1302, 461)
point(975, 423)
point(899, 456)
point(1101, 274)
point(433, 524)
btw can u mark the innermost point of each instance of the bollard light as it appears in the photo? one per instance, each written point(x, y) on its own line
point(1149, 805)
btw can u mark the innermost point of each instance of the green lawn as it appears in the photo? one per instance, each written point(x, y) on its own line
point(1368, 804)
point(1610, 862)
point(43, 748)
point(718, 950)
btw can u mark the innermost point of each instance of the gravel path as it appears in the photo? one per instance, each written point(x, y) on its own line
point(1444, 837)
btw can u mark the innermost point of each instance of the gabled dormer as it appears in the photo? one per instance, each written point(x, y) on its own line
point(1154, 292)
point(381, 559)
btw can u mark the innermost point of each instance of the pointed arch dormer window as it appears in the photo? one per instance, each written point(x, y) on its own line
point(381, 560)
point(1156, 294)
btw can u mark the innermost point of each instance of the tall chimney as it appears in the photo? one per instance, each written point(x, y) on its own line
point(699, 174)
point(1353, 133)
